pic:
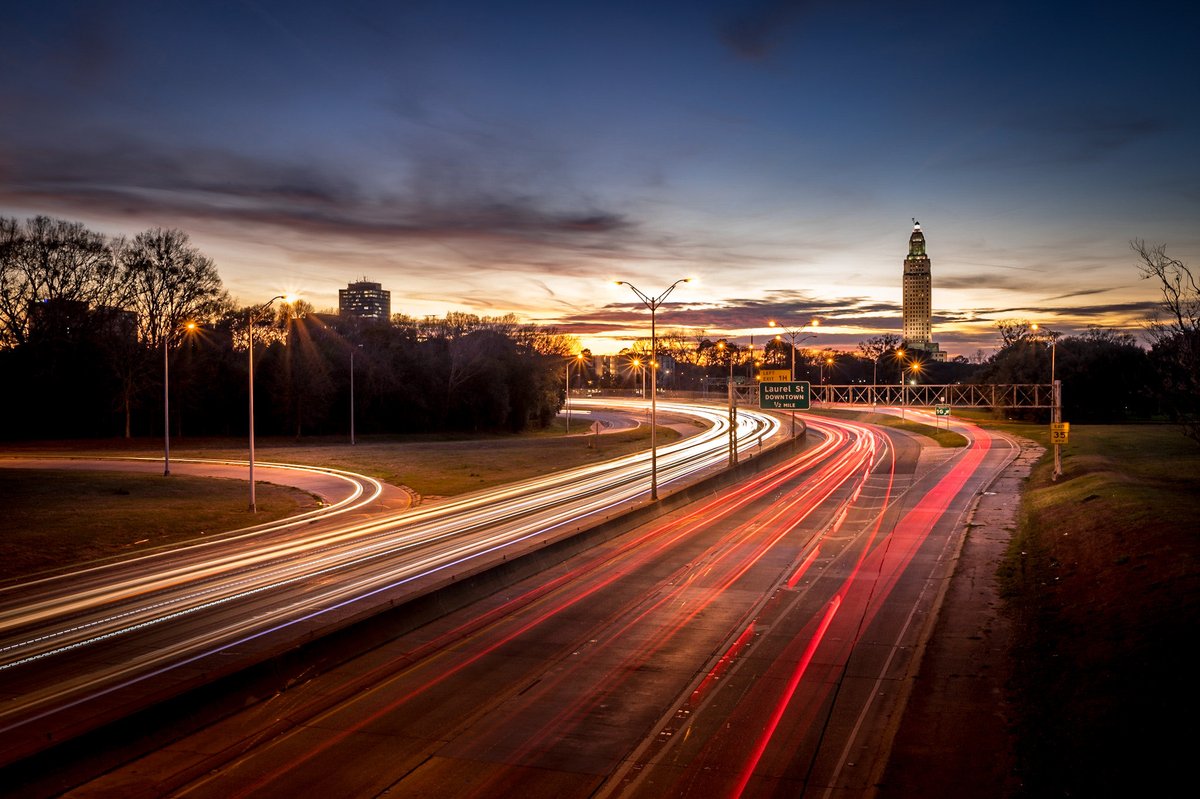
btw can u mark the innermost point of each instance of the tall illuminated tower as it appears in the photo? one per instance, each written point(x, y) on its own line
point(918, 292)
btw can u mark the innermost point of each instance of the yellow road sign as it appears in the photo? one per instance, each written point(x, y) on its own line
point(1060, 427)
point(774, 376)
point(1059, 436)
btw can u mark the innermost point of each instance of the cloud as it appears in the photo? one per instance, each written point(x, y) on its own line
point(787, 308)
point(1080, 293)
point(299, 198)
point(982, 280)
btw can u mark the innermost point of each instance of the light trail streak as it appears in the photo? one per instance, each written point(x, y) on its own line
point(886, 563)
point(760, 746)
point(369, 559)
point(856, 529)
point(646, 548)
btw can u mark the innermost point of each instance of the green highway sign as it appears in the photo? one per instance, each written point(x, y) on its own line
point(784, 396)
point(941, 410)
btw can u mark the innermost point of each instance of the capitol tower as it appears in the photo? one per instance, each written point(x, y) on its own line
point(918, 297)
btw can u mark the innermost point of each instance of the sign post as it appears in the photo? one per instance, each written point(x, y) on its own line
point(941, 410)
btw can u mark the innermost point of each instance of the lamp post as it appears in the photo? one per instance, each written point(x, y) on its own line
point(254, 315)
point(795, 336)
point(653, 304)
point(637, 367)
point(827, 362)
point(190, 326)
point(732, 408)
point(567, 395)
point(166, 407)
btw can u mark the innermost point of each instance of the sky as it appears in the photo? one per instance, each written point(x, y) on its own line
point(519, 157)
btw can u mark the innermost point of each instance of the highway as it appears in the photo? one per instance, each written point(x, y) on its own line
point(81, 648)
point(755, 643)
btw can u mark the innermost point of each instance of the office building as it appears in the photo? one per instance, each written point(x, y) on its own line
point(365, 300)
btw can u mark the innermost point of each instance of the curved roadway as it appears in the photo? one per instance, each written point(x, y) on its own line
point(81, 648)
point(756, 643)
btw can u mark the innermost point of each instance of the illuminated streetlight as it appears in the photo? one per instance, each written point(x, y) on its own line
point(567, 394)
point(255, 314)
point(796, 337)
point(189, 327)
point(915, 368)
point(653, 304)
point(637, 367)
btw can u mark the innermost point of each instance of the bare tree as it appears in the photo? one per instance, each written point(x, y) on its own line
point(876, 347)
point(1013, 330)
point(169, 282)
point(1176, 338)
point(51, 261)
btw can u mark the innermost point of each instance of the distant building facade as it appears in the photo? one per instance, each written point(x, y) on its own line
point(61, 319)
point(365, 300)
point(918, 297)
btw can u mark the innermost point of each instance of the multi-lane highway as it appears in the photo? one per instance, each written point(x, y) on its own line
point(81, 648)
point(755, 643)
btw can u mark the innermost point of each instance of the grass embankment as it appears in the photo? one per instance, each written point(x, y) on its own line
point(451, 466)
point(944, 438)
point(63, 518)
point(1103, 581)
point(433, 466)
point(56, 518)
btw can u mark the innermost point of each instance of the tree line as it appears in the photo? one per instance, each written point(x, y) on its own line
point(91, 325)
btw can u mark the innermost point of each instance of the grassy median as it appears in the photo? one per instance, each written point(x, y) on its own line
point(58, 518)
point(55, 518)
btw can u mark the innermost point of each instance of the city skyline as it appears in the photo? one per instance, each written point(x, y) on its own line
point(488, 159)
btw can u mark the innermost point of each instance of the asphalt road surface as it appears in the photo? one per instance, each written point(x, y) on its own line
point(80, 649)
point(756, 643)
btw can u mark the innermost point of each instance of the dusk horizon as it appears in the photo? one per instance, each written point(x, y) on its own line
point(520, 159)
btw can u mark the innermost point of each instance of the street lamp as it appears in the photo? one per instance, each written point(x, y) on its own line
point(793, 334)
point(827, 362)
point(190, 326)
point(255, 314)
point(567, 394)
point(637, 367)
point(653, 304)
point(915, 368)
point(732, 408)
